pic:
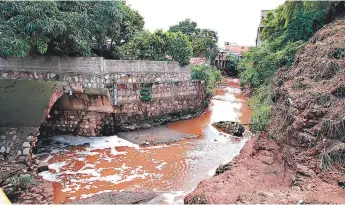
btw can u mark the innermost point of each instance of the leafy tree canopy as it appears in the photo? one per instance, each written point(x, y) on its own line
point(203, 41)
point(158, 46)
point(65, 28)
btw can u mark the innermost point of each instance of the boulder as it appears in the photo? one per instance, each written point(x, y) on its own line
point(42, 166)
point(230, 127)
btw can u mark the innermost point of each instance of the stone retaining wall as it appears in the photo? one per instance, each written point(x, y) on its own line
point(87, 115)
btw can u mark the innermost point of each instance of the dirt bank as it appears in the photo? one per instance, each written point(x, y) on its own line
point(301, 155)
point(155, 135)
point(259, 175)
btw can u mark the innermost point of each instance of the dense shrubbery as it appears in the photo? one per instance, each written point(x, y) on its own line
point(231, 64)
point(286, 29)
point(211, 75)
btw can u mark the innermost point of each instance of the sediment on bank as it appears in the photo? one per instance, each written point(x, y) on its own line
point(301, 154)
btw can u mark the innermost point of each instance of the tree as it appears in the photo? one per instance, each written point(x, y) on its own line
point(66, 28)
point(186, 26)
point(27, 27)
point(158, 45)
point(179, 47)
point(146, 46)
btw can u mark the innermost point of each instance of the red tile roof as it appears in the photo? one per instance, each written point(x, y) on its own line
point(236, 48)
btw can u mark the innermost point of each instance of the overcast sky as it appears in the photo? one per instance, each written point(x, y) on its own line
point(235, 21)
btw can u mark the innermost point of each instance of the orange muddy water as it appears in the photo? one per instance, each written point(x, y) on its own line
point(111, 164)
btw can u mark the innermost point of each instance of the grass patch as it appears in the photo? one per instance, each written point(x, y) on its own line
point(20, 182)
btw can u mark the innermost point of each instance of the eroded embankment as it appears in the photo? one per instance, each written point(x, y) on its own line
point(301, 155)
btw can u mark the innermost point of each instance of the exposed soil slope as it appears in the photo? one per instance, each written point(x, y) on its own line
point(305, 161)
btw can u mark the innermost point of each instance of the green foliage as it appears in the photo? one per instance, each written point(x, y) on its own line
point(285, 30)
point(65, 28)
point(146, 46)
point(231, 63)
point(179, 48)
point(145, 93)
point(157, 45)
point(23, 181)
point(209, 74)
point(337, 53)
point(187, 27)
point(203, 41)
point(261, 103)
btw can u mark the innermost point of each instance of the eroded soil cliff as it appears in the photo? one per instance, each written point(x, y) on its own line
point(301, 155)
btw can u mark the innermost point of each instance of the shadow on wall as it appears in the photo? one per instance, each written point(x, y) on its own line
point(23, 102)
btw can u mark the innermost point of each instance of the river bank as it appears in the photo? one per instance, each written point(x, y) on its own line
point(300, 154)
point(166, 160)
point(259, 175)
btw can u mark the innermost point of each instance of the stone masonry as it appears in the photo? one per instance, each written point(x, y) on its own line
point(88, 97)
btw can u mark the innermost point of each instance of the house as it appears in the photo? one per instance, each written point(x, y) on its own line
point(261, 26)
point(229, 49)
point(234, 49)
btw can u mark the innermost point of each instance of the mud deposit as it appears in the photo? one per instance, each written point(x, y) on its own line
point(82, 167)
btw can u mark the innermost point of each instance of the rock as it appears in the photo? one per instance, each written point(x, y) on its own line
point(26, 145)
point(233, 128)
point(8, 149)
point(222, 168)
point(26, 151)
point(341, 182)
point(299, 202)
point(19, 152)
point(3, 149)
point(42, 166)
point(3, 137)
point(305, 171)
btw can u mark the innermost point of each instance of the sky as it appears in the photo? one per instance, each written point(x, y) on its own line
point(236, 21)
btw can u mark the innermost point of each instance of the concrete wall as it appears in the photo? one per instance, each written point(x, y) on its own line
point(89, 64)
point(23, 102)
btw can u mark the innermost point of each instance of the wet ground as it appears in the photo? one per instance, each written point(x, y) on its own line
point(83, 167)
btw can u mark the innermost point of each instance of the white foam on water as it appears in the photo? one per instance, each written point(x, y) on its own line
point(156, 147)
point(57, 166)
point(160, 167)
point(211, 172)
point(225, 111)
point(48, 176)
point(170, 198)
point(95, 142)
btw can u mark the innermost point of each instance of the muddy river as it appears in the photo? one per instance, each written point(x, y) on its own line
point(106, 164)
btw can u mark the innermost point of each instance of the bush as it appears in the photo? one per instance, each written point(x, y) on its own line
point(145, 93)
point(210, 75)
point(20, 182)
point(285, 31)
point(261, 103)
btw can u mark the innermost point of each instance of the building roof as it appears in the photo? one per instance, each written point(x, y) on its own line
point(236, 48)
